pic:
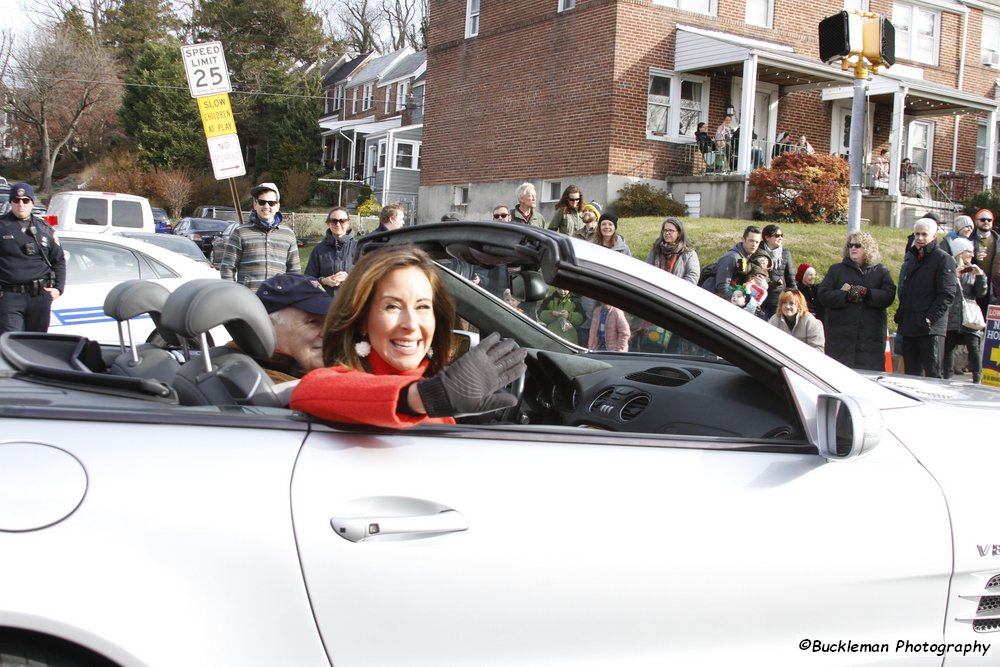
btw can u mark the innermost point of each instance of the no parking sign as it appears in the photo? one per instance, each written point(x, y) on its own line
point(991, 347)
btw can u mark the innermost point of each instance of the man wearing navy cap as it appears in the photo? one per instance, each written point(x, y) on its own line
point(297, 306)
point(32, 265)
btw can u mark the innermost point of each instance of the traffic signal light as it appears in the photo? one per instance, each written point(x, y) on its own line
point(879, 41)
point(840, 35)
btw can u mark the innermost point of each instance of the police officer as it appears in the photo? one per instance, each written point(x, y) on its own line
point(32, 265)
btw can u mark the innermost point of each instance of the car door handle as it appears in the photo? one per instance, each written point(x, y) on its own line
point(398, 517)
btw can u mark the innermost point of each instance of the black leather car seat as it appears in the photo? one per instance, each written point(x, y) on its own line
point(222, 375)
point(128, 300)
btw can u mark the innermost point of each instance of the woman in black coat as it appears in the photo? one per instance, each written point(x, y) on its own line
point(856, 294)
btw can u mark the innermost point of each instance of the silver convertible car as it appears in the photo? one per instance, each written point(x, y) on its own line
point(721, 494)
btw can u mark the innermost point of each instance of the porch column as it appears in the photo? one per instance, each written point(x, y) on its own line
point(896, 128)
point(990, 166)
point(743, 165)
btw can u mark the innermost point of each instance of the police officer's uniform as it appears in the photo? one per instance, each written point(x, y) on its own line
point(30, 260)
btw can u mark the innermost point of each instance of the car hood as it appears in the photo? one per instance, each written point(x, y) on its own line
point(949, 392)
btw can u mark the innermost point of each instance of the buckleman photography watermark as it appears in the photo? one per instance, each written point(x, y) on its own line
point(939, 649)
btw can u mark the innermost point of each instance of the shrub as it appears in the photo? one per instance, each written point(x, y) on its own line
point(369, 208)
point(799, 187)
point(638, 199)
point(295, 188)
point(989, 199)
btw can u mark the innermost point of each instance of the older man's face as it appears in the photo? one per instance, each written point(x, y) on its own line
point(300, 335)
point(923, 234)
point(527, 200)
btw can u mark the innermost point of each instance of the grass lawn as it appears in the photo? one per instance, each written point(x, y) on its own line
point(819, 245)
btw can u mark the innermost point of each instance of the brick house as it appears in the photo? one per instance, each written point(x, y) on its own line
point(372, 124)
point(601, 93)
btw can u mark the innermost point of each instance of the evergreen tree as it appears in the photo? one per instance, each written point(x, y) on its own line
point(158, 113)
point(132, 23)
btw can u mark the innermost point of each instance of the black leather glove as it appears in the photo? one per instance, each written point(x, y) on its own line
point(474, 382)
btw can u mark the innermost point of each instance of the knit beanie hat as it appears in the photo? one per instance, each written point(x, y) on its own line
point(960, 245)
point(981, 211)
point(609, 216)
point(963, 221)
point(594, 207)
point(801, 271)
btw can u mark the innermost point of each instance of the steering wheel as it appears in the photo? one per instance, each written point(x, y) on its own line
point(510, 414)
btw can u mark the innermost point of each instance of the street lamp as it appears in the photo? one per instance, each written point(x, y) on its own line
point(860, 40)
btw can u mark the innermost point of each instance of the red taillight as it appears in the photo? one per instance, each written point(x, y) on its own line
point(195, 236)
point(52, 220)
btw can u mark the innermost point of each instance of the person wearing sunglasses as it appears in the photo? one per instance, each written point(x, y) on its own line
point(986, 243)
point(262, 247)
point(501, 214)
point(32, 265)
point(855, 295)
point(781, 275)
point(332, 259)
point(567, 218)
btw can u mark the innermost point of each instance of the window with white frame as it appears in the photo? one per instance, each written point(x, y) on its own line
point(700, 6)
point(675, 104)
point(461, 195)
point(354, 102)
point(402, 92)
point(551, 191)
point(381, 155)
point(338, 98)
point(566, 4)
point(472, 18)
point(920, 144)
point(982, 149)
point(760, 12)
point(917, 31)
point(407, 155)
point(367, 97)
point(388, 96)
point(990, 48)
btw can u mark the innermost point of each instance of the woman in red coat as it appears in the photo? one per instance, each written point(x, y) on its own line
point(386, 347)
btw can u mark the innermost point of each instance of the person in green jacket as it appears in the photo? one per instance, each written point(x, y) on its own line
point(569, 211)
point(561, 314)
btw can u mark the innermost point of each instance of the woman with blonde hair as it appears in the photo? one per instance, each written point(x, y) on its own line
point(856, 293)
point(387, 346)
point(793, 317)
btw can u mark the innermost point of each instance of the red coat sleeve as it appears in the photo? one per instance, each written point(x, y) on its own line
point(355, 397)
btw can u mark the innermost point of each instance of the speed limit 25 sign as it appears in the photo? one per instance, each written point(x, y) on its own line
point(206, 69)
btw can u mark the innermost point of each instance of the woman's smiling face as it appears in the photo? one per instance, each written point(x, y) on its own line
point(400, 323)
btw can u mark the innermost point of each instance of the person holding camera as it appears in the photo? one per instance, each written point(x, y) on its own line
point(32, 265)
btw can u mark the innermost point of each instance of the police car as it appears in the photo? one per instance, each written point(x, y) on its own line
point(97, 262)
point(730, 497)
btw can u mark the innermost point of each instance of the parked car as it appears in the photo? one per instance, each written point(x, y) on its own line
point(219, 243)
point(161, 220)
point(200, 230)
point(727, 496)
point(217, 212)
point(178, 244)
point(97, 262)
point(86, 211)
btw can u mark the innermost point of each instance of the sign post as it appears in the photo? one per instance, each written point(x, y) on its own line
point(208, 80)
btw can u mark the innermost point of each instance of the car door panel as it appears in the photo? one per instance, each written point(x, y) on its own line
point(583, 553)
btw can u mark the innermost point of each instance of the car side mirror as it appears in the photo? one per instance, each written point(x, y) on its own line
point(847, 426)
point(528, 286)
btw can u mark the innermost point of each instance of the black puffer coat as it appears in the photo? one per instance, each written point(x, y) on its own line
point(332, 255)
point(855, 332)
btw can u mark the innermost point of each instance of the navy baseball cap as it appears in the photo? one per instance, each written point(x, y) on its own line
point(22, 190)
point(294, 289)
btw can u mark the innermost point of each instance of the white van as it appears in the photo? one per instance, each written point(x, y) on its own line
point(84, 211)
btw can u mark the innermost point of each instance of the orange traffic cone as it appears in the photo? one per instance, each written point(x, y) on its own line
point(888, 355)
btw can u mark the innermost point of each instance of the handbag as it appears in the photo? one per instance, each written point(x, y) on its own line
point(972, 317)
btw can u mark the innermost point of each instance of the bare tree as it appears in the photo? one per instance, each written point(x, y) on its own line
point(58, 83)
point(400, 16)
point(174, 187)
point(92, 12)
point(363, 25)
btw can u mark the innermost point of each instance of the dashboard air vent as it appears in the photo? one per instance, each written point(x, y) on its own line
point(634, 407)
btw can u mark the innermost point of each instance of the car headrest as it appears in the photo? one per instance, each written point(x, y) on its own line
point(199, 305)
point(133, 298)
